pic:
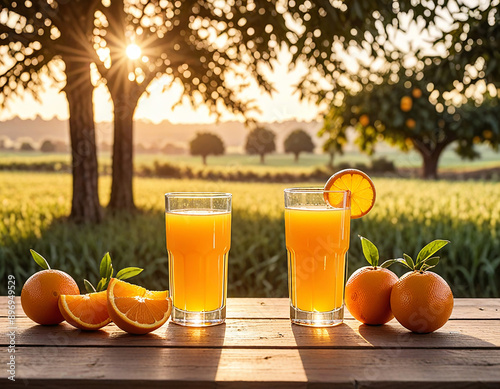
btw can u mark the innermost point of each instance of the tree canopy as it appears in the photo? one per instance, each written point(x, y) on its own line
point(407, 114)
point(205, 144)
point(260, 141)
point(298, 141)
point(44, 40)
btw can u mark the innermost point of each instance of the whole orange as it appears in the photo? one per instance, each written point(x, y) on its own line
point(368, 294)
point(40, 294)
point(422, 301)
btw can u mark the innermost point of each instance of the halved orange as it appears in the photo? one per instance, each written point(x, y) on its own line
point(85, 311)
point(135, 309)
point(358, 184)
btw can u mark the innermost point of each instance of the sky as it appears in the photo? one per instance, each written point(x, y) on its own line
point(157, 106)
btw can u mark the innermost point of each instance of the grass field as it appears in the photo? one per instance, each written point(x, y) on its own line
point(283, 162)
point(408, 214)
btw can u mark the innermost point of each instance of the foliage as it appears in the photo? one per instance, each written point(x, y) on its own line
point(407, 215)
point(337, 137)
point(402, 109)
point(205, 144)
point(298, 141)
point(47, 146)
point(26, 146)
point(471, 53)
point(260, 141)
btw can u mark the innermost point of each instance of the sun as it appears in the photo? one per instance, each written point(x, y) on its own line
point(133, 51)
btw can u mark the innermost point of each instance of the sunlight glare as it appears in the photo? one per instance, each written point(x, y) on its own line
point(133, 51)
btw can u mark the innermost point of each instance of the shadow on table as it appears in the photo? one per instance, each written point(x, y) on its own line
point(354, 351)
point(322, 351)
point(393, 337)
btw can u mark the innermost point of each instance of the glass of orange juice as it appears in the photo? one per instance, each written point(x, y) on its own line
point(317, 240)
point(198, 230)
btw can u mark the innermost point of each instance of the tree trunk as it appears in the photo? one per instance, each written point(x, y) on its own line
point(330, 161)
point(122, 197)
point(85, 206)
point(430, 166)
point(431, 156)
point(262, 159)
point(204, 158)
point(296, 157)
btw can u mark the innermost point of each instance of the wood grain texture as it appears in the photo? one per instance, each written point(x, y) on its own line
point(266, 333)
point(259, 348)
point(279, 308)
point(237, 368)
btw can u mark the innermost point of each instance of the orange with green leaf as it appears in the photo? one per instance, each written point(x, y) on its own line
point(368, 290)
point(422, 300)
point(90, 311)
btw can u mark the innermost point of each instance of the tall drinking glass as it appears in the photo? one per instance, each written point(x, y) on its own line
point(198, 228)
point(317, 240)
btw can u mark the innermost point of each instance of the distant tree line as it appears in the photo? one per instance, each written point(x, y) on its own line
point(260, 141)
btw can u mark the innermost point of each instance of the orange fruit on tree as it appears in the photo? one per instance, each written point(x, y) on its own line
point(406, 103)
point(368, 290)
point(135, 309)
point(421, 300)
point(40, 293)
point(364, 120)
point(410, 123)
point(87, 311)
point(359, 185)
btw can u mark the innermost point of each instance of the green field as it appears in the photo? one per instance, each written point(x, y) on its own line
point(408, 214)
point(283, 162)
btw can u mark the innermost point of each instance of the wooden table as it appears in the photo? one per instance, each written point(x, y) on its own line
point(259, 348)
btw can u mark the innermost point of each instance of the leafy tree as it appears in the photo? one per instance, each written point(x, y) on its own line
point(26, 146)
point(400, 109)
point(47, 146)
point(260, 141)
point(336, 132)
point(41, 38)
point(471, 51)
point(205, 144)
point(199, 45)
point(298, 141)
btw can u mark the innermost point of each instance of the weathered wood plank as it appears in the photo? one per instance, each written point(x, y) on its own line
point(237, 368)
point(278, 308)
point(269, 333)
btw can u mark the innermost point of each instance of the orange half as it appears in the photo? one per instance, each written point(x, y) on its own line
point(85, 311)
point(135, 309)
point(358, 184)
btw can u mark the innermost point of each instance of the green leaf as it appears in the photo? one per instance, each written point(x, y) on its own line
point(391, 262)
point(88, 286)
point(409, 261)
point(105, 264)
point(430, 263)
point(109, 274)
point(429, 250)
point(41, 261)
point(370, 251)
point(128, 272)
point(102, 284)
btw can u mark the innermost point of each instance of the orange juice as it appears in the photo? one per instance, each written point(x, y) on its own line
point(317, 240)
point(198, 243)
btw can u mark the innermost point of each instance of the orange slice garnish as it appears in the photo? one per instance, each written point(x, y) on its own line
point(135, 309)
point(85, 311)
point(358, 184)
